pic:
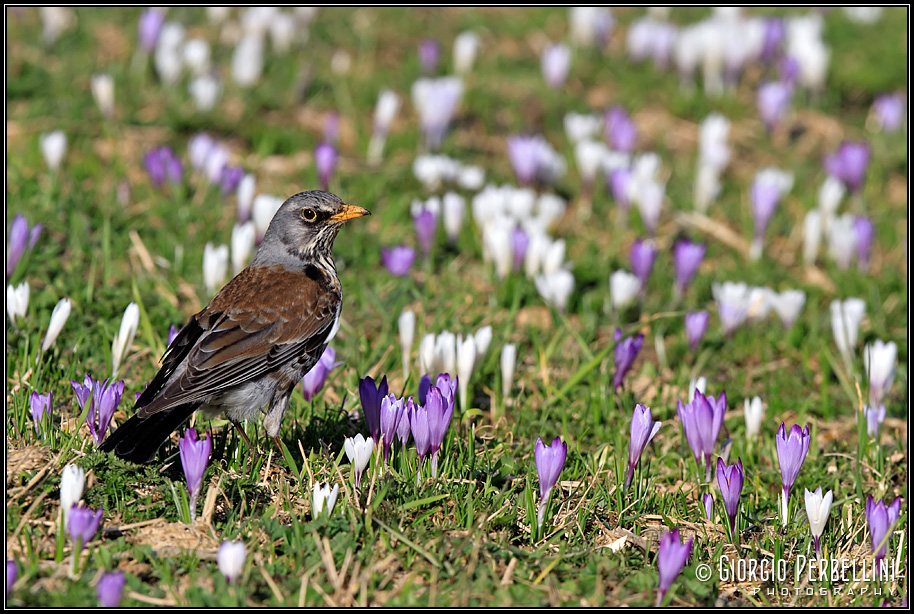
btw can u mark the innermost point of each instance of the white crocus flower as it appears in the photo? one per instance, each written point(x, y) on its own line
point(322, 497)
point(384, 114)
point(589, 156)
point(817, 508)
point(732, 303)
point(197, 56)
point(879, 361)
point(230, 559)
point(358, 451)
point(264, 208)
point(168, 56)
point(623, 288)
point(831, 193)
point(205, 91)
point(582, 126)
point(427, 353)
point(453, 210)
point(466, 45)
point(53, 148)
point(759, 303)
point(554, 257)
point(54, 20)
point(283, 32)
point(698, 384)
point(497, 237)
point(102, 87)
point(508, 360)
point(812, 236)
point(753, 412)
point(407, 326)
point(215, 266)
point(17, 301)
point(446, 353)
point(471, 177)
point(247, 61)
point(466, 362)
point(555, 288)
point(846, 317)
point(842, 240)
point(72, 483)
point(482, 337)
point(124, 338)
point(788, 305)
point(245, 194)
point(244, 237)
point(58, 319)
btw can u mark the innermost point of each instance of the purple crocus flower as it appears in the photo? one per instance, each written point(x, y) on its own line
point(162, 164)
point(519, 243)
point(696, 325)
point(621, 132)
point(194, 459)
point(701, 422)
point(19, 236)
point(418, 426)
point(880, 519)
point(792, 449)
point(672, 555)
point(391, 413)
point(105, 399)
point(865, 232)
point(429, 54)
point(398, 259)
point(549, 463)
point(625, 353)
point(172, 333)
point(325, 158)
point(707, 500)
point(765, 196)
point(687, 257)
point(730, 479)
point(403, 428)
point(875, 416)
point(199, 150)
point(773, 39)
point(618, 181)
point(849, 163)
point(41, 406)
point(447, 386)
point(370, 395)
point(425, 382)
point(83, 391)
point(314, 379)
point(642, 256)
point(426, 223)
point(110, 589)
point(34, 234)
point(789, 70)
point(332, 127)
point(643, 429)
point(555, 62)
point(440, 407)
point(523, 153)
point(231, 177)
point(83, 525)
point(889, 111)
point(437, 101)
point(12, 572)
point(773, 99)
point(149, 27)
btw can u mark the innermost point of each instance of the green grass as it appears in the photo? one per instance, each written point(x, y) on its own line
point(464, 539)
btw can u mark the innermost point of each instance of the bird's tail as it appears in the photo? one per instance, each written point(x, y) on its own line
point(138, 439)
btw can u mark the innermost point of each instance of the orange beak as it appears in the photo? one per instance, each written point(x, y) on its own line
point(349, 212)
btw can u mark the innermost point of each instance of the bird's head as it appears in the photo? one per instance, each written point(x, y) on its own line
point(305, 226)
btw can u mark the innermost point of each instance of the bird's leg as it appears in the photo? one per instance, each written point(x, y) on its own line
point(244, 436)
point(278, 443)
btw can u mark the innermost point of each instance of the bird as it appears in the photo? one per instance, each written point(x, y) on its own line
point(256, 339)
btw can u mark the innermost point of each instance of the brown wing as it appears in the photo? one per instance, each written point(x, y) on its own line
point(258, 322)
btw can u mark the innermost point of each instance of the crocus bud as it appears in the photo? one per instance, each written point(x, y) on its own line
point(550, 459)
point(245, 196)
point(244, 237)
point(482, 337)
point(453, 210)
point(556, 60)
point(846, 317)
point(247, 61)
point(812, 235)
point(555, 288)
point(398, 259)
point(508, 360)
point(325, 159)
point(53, 148)
point(672, 556)
point(17, 301)
point(230, 559)
point(124, 338)
point(205, 91)
point(72, 483)
point(264, 207)
point(215, 266)
point(879, 362)
point(58, 319)
point(466, 362)
point(792, 449)
point(788, 305)
point(407, 327)
point(642, 430)
point(466, 45)
point(195, 455)
point(623, 288)
point(753, 412)
point(110, 589)
point(102, 87)
point(696, 324)
point(83, 525)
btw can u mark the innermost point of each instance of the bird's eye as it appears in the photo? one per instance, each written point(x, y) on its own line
point(308, 214)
